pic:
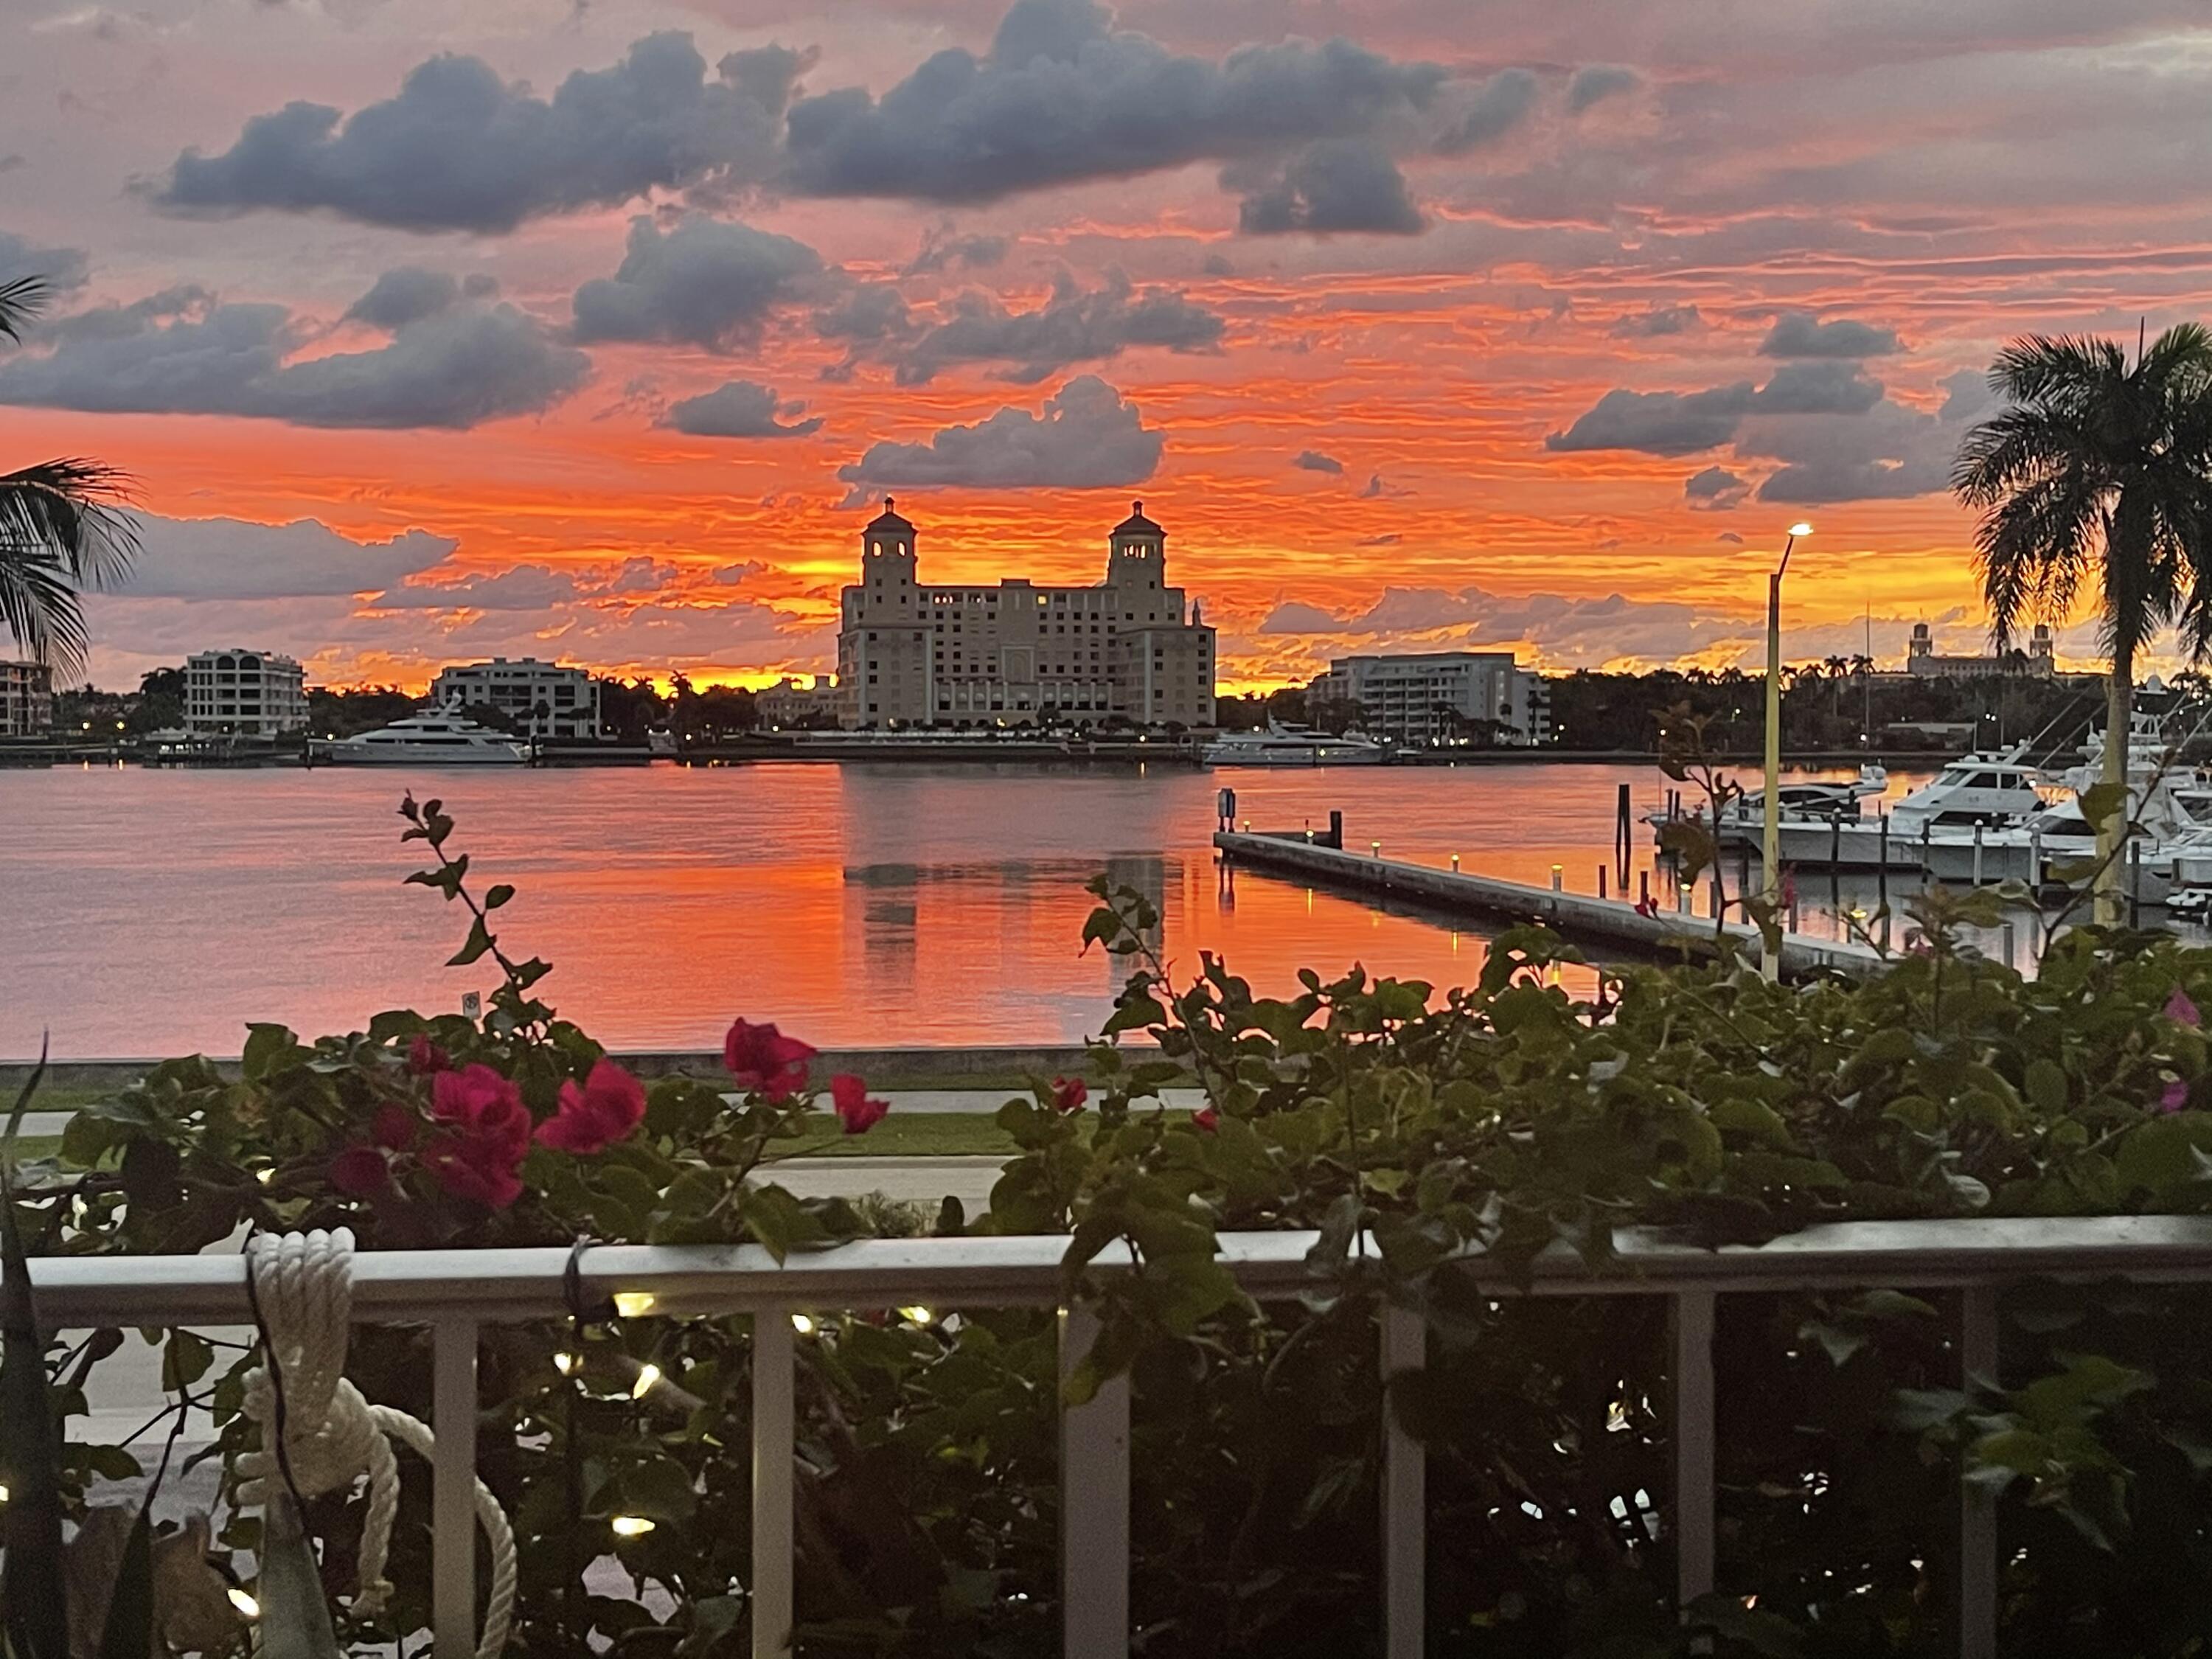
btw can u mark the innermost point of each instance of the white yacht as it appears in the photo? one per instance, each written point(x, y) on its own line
point(423, 740)
point(1994, 790)
point(1292, 746)
point(1744, 818)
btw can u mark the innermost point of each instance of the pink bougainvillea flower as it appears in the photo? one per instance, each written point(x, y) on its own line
point(1069, 1094)
point(595, 1114)
point(2176, 1096)
point(478, 1154)
point(360, 1172)
point(1207, 1119)
point(764, 1060)
point(2181, 1011)
point(393, 1128)
point(425, 1057)
point(856, 1110)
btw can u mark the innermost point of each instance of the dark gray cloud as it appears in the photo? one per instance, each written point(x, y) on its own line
point(523, 588)
point(179, 352)
point(1312, 461)
point(64, 269)
point(1086, 437)
point(707, 283)
point(1334, 185)
point(867, 313)
point(740, 409)
point(1716, 489)
point(1817, 388)
point(1495, 108)
point(457, 149)
point(1658, 422)
point(1593, 83)
point(941, 250)
point(404, 294)
point(1658, 322)
point(233, 559)
point(1063, 96)
point(1799, 334)
point(1072, 326)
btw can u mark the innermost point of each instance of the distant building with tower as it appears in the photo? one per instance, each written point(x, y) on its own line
point(1015, 653)
point(792, 703)
point(2037, 662)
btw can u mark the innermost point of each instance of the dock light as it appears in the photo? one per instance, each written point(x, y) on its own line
point(1455, 864)
point(648, 1377)
point(565, 1363)
point(1559, 877)
point(919, 1315)
point(1377, 846)
point(802, 1324)
point(246, 1606)
point(633, 1304)
point(1247, 826)
point(629, 1526)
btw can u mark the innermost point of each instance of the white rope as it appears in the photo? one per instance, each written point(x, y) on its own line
point(303, 1283)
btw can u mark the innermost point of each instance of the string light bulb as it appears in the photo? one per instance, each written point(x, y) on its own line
point(633, 1304)
point(919, 1315)
point(802, 1324)
point(565, 1363)
point(648, 1376)
point(629, 1526)
point(246, 1606)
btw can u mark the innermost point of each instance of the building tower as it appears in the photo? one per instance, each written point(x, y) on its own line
point(2040, 659)
point(1919, 649)
point(887, 559)
point(1137, 555)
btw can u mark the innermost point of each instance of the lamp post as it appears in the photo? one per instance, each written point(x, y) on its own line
point(1770, 846)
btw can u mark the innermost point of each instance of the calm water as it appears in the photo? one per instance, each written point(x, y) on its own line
point(146, 913)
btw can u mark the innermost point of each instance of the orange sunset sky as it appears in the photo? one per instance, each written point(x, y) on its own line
point(593, 330)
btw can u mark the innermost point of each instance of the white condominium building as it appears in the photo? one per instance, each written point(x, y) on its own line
point(27, 699)
point(243, 694)
point(1441, 696)
point(1014, 653)
point(544, 699)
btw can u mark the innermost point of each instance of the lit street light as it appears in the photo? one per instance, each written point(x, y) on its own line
point(1770, 846)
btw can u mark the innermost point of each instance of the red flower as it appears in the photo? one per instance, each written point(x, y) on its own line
point(764, 1060)
point(360, 1172)
point(1207, 1119)
point(480, 1155)
point(393, 1128)
point(855, 1109)
point(2175, 1097)
point(425, 1057)
point(2181, 1011)
point(1069, 1094)
point(594, 1115)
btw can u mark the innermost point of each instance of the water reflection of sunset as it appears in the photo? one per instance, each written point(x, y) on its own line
point(157, 912)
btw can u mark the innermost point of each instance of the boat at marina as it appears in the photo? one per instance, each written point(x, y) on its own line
point(1743, 820)
point(1990, 790)
point(1292, 746)
point(422, 740)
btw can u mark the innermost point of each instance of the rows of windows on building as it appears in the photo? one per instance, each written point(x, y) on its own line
point(1439, 698)
point(243, 694)
point(1016, 653)
point(541, 700)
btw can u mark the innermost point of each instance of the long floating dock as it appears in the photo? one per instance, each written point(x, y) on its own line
point(1579, 916)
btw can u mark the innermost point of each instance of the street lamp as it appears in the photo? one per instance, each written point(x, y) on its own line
point(1769, 845)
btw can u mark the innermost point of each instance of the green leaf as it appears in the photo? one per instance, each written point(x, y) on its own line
point(479, 941)
point(128, 1631)
point(296, 1617)
point(2046, 1086)
point(497, 895)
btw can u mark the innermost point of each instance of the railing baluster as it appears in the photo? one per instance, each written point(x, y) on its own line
point(1978, 1504)
point(453, 1489)
point(1404, 1497)
point(1694, 1492)
point(773, 1430)
point(1094, 1506)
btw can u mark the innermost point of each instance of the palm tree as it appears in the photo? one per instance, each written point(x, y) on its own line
point(2098, 472)
point(62, 529)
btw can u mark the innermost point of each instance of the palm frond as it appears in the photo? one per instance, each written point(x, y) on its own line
point(64, 527)
point(2040, 367)
point(21, 299)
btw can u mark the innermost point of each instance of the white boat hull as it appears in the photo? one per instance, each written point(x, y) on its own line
point(396, 754)
point(1298, 758)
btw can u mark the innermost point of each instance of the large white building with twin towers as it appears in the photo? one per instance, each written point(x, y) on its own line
point(910, 655)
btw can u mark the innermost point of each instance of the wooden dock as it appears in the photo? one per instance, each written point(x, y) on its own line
point(1577, 915)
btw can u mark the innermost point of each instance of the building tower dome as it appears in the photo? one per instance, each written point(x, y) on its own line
point(1137, 552)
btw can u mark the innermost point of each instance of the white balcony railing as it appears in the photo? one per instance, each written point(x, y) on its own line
point(457, 1292)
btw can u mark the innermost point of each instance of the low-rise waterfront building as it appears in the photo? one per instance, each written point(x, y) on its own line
point(543, 699)
point(238, 693)
point(1017, 653)
point(2037, 662)
point(27, 699)
point(1432, 697)
point(792, 702)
